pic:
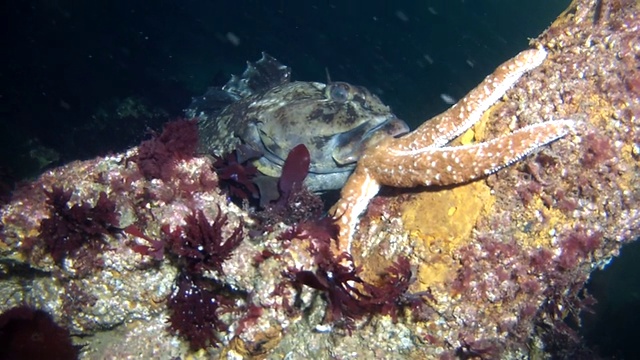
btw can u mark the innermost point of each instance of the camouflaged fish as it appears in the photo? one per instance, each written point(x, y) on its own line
point(266, 111)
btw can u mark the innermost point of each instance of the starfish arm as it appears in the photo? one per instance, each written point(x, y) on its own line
point(419, 157)
point(459, 164)
point(442, 128)
point(354, 198)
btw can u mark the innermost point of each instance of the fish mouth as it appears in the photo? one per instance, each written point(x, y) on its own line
point(393, 127)
point(352, 144)
point(348, 146)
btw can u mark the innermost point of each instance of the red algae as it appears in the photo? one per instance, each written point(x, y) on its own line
point(28, 333)
point(237, 176)
point(68, 228)
point(201, 245)
point(156, 157)
point(195, 312)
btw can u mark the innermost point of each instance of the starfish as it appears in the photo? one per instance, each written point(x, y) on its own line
point(421, 158)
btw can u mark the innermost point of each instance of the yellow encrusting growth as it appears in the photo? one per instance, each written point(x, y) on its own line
point(427, 215)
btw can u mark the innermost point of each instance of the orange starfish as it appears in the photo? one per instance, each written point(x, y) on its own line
point(421, 158)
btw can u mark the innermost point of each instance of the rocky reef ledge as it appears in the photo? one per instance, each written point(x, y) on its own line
point(151, 260)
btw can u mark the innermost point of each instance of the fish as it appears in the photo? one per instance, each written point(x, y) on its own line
point(265, 110)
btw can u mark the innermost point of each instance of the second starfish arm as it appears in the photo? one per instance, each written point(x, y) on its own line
point(459, 164)
point(442, 128)
point(420, 158)
point(435, 166)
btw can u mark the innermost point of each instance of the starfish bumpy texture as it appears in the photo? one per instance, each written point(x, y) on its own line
point(421, 158)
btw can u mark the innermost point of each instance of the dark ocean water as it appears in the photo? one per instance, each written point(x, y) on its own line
point(84, 78)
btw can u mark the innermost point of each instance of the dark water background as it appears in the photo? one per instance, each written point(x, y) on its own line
point(85, 78)
point(82, 78)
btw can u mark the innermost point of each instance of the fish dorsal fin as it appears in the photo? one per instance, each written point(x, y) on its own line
point(213, 101)
point(259, 76)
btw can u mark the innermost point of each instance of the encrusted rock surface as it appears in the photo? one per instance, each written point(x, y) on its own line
point(497, 256)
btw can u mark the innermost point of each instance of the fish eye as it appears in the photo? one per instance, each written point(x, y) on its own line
point(340, 92)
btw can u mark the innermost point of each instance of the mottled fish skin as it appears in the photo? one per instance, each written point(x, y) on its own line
point(271, 114)
point(421, 158)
